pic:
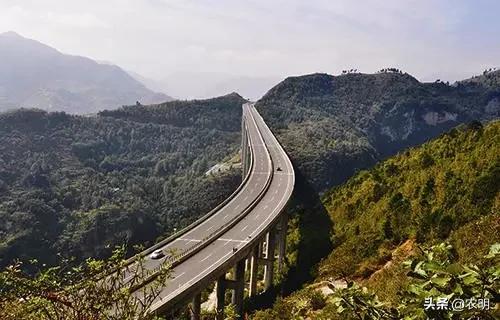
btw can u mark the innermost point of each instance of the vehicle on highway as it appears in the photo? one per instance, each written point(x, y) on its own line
point(157, 254)
point(279, 169)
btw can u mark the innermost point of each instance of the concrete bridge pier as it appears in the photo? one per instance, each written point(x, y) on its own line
point(196, 307)
point(254, 266)
point(264, 254)
point(239, 287)
point(237, 284)
point(269, 260)
point(221, 294)
point(283, 226)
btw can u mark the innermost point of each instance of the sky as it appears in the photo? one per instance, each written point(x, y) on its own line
point(430, 39)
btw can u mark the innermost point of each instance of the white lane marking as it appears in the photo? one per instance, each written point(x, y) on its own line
point(272, 199)
point(189, 240)
point(225, 216)
point(237, 207)
point(231, 240)
point(178, 276)
point(245, 198)
point(188, 283)
point(255, 127)
point(206, 257)
point(257, 217)
point(265, 207)
point(244, 228)
point(210, 228)
point(202, 274)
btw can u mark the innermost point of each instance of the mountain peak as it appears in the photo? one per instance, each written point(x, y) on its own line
point(11, 34)
point(33, 74)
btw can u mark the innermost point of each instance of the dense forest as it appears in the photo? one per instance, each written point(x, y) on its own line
point(80, 185)
point(438, 205)
point(333, 126)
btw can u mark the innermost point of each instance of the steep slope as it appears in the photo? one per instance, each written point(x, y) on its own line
point(77, 185)
point(444, 190)
point(335, 125)
point(33, 75)
point(426, 193)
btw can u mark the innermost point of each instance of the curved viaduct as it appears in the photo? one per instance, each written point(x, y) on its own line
point(247, 230)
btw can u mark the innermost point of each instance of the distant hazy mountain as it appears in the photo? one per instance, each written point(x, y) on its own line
point(201, 85)
point(35, 75)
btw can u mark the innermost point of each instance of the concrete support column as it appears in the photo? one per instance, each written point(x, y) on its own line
point(221, 291)
point(270, 248)
point(254, 266)
point(239, 287)
point(282, 241)
point(196, 307)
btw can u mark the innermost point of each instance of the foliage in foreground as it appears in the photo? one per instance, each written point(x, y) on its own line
point(77, 293)
point(435, 275)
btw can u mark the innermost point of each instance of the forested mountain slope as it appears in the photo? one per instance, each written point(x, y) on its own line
point(77, 185)
point(489, 78)
point(445, 190)
point(334, 125)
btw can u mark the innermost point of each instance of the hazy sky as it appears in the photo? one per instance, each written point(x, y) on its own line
point(449, 39)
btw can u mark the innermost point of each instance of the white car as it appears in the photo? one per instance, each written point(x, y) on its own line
point(157, 254)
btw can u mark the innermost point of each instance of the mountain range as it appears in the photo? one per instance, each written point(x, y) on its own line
point(333, 126)
point(34, 75)
point(135, 173)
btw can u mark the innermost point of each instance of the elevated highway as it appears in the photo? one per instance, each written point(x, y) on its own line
point(245, 231)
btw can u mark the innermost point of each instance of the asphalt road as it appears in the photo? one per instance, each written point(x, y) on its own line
point(260, 172)
point(214, 259)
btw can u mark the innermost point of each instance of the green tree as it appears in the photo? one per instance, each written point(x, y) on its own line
point(97, 289)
